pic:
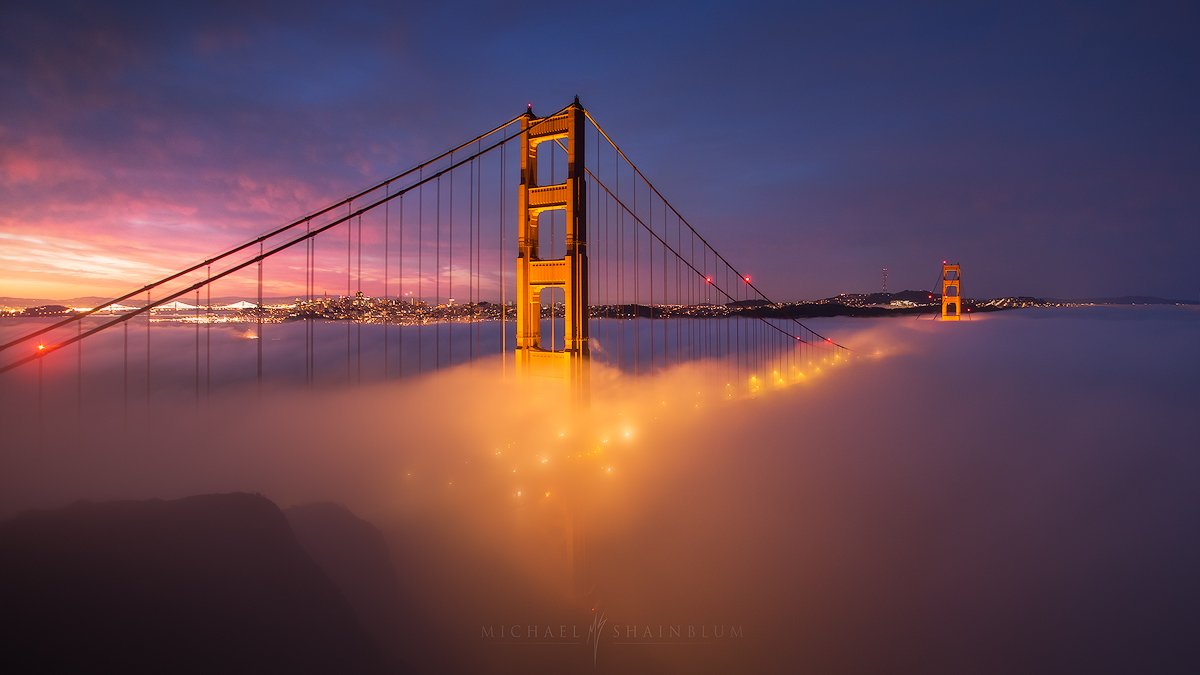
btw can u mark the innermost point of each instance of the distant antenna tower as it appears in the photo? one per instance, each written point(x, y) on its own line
point(885, 281)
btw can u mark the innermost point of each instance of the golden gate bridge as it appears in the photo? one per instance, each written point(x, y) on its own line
point(537, 245)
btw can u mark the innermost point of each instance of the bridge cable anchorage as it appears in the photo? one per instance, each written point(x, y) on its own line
point(150, 305)
point(261, 238)
point(656, 191)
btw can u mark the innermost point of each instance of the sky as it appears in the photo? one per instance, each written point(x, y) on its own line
point(1051, 148)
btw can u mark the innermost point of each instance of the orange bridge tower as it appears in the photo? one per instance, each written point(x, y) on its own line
point(951, 291)
point(570, 273)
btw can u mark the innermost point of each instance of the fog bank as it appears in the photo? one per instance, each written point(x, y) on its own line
point(1008, 494)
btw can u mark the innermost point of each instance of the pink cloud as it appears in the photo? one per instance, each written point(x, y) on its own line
point(38, 159)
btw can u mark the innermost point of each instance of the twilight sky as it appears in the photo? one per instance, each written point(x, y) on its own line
point(1053, 149)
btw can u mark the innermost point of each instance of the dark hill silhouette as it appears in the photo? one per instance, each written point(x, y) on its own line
point(356, 557)
point(214, 583)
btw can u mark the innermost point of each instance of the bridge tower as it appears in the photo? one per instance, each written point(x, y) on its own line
point(570, 273)
point(951, 291)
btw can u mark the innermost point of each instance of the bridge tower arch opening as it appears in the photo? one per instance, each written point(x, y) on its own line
point(951, 291)
point(535, 355)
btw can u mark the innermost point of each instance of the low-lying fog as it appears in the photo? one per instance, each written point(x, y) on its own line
point(1014, 493)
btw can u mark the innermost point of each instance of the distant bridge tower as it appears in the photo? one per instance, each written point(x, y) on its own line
point(570, 273)
point(951, 291)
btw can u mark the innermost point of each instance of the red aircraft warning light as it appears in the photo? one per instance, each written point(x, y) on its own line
point(708, 280)
point(746, 278)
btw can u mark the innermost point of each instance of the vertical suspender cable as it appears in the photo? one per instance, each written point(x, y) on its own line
point(347, 302)
point(650, 281)
point(620, 268)
point(400, 294)
point(691, 300)
point(478, 246)
point(679, 290)
point(208, 335)
point(637, 273)
point(450, 272)
point(40, 411)
point(79, 372)
point(125, 379)
point(309, 282)
point(471, 262)
point(197, 376)
point(260, 317)
point(665, 298)
point(387, 301)
point(420, 274)
point(147, 360)
point(503, 289)
point(437, 279)
point(355, 303)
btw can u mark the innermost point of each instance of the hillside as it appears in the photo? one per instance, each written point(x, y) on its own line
point(215, 583)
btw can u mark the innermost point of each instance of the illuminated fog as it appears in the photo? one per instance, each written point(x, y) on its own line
point(1007, 494)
